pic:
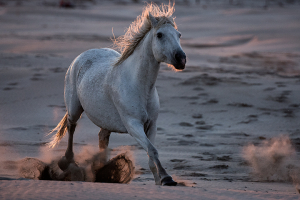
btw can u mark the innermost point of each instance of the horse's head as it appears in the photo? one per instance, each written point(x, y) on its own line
point(166, 44)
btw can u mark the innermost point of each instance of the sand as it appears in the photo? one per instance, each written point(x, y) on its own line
point(240, 88)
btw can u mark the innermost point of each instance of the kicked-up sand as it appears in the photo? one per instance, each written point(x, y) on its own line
point(228, 126)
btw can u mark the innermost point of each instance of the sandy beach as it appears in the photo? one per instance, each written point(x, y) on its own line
point(228, 126)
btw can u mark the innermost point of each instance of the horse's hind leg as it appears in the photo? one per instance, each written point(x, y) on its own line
point(74, 110)
point(74, 114)
point(71, 129)
point(67, 164)
point(65, 161)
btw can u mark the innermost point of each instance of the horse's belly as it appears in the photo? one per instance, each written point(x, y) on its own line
point(98, 106)
point(105, 116)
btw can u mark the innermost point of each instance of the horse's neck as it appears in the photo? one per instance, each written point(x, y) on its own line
point(144, 66)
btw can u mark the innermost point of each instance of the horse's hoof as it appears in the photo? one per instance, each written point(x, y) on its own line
point(72, 173)
point(168, 181)
point(63, 163)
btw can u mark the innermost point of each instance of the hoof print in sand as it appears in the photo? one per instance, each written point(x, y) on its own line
point(197, 116)
point(205, 127)
point(240, 105)
point(185, 124)
point(219, 167)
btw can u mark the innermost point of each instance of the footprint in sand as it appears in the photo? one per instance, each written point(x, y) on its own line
point(280, 84)
point(219, 167)
point(224, 158)
point(177, 160)
point(196, 174)
point(200, 122)
point(206, 145)
point(188, 135)
point(197, 116)
point(240, 105)
point(204, 127)
point(186, 124)
point(37, 77)
point(8, 88)
point(211, 101)
point(203, 94)
point(250, 118)
point(288, 112)
point(11, 86)
point(198, 88)
point(186, 143)
point(182, 167)
point(282, 97)
point(202, 79)
point(269, 89)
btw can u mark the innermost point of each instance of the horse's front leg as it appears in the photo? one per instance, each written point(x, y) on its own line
point(103, 144)
point(151, 133)
point(103, 138)
point(136, 129)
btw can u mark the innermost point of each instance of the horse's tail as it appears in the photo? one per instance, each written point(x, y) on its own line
point(61, 130)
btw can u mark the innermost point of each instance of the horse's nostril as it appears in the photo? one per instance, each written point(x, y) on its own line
point(177, 57)
point(180, 57)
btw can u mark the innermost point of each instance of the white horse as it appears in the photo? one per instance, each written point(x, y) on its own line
point(117, 91)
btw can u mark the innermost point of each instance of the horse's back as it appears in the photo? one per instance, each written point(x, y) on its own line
point(94, 59)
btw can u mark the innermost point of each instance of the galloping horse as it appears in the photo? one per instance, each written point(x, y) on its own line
point(117, 91)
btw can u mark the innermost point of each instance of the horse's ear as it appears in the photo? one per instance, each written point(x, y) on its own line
point(152, 20)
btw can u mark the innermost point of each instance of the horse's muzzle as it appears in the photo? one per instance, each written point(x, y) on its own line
point(180, 58)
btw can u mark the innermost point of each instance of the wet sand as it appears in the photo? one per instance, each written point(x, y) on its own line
point(241, 86)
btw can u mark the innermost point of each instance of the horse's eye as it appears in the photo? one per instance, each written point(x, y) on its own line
point(179, 35)
point(159, 35)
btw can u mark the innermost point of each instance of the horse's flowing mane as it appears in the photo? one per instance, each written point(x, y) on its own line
point(141, 26)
